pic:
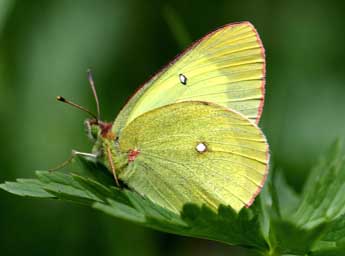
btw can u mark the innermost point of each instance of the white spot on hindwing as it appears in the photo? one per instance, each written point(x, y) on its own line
point(183, 79)
point(201, 147)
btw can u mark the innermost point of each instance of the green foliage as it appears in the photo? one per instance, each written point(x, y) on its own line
point(313, 223)
point(279, 223)
point(93, 186)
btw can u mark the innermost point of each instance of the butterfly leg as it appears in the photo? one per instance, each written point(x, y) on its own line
point(69, 160)
point(112, 166)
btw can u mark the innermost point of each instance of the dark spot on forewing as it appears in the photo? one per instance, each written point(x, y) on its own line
point(183, 79)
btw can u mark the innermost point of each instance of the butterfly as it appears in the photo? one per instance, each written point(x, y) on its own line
point(190, 134)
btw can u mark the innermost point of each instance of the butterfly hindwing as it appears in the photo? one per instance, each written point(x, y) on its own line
point(195, 152)
point(226, 67)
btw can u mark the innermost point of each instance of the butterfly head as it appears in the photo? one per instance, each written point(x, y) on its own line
point(96, 129)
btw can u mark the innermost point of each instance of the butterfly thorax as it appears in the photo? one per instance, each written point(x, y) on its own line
point(106, 144)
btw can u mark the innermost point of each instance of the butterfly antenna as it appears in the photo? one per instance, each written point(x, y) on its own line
point(93, 87)
point(62, 99)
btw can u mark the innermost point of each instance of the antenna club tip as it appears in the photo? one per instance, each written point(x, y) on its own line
point(90, 78)
point(89, 73)
point(60, 98)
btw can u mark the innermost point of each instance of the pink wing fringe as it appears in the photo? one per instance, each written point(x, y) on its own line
point(261, 106)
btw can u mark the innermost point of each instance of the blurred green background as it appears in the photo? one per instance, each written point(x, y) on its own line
point(45, 50)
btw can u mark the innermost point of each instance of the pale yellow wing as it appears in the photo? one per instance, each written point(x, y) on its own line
point(226, 67)
point(195, 152)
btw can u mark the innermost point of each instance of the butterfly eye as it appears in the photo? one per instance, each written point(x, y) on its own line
point(201, 147)
point(183, 79)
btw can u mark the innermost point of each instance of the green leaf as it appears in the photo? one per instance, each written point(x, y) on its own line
point(121, 211)
point(286, 199)
point(323, 196)
point(92, 185)
point(241, 228)
point(291, 239)
point(26, 187)
point(65, 186)
point(312, 223)
point(336, 231)
point(333, 240)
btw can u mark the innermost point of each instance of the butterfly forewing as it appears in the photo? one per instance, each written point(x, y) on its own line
point(226, 67)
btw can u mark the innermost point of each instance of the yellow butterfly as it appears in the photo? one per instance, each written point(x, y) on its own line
point(190, 133)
